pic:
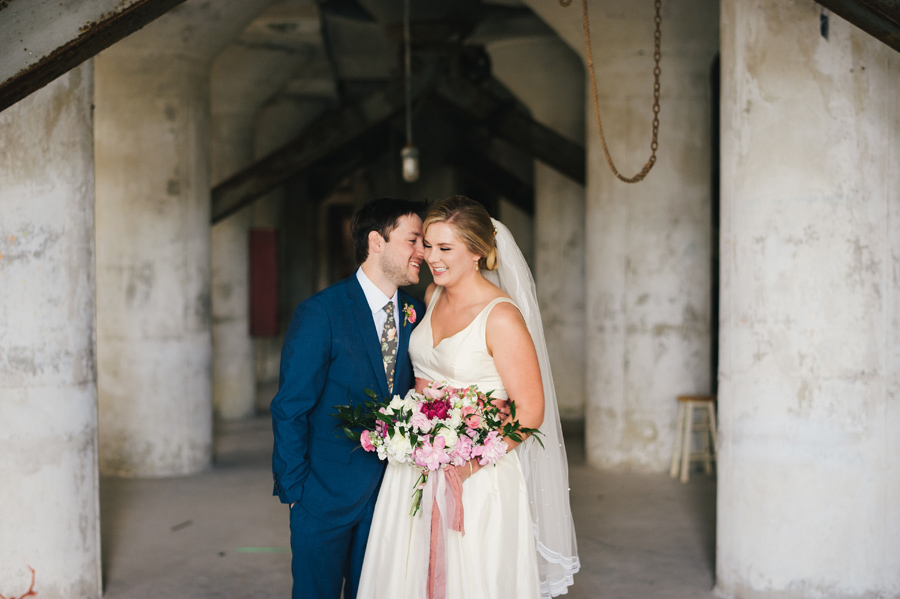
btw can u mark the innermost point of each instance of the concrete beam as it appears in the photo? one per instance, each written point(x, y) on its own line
point(42, 41)
point(327, 135)
point(878, 18)
point(485, 106)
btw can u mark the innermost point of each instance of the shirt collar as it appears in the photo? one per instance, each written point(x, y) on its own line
point(374, 296)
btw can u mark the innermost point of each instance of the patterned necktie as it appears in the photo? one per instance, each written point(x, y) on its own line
point(389, 345)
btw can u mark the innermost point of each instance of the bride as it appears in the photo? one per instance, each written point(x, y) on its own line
point(482, 327)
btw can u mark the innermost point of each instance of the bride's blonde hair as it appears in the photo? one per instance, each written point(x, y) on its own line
point(471, 223)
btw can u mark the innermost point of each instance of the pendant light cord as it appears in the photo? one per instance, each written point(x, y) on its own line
point(408, 72)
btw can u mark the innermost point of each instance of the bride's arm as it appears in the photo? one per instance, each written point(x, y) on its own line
point(509, 342)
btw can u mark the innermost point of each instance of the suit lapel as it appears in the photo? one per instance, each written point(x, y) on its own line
point(366, 327)
point(403, 345)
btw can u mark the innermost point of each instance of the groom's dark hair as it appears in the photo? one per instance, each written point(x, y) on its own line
point(381, 215)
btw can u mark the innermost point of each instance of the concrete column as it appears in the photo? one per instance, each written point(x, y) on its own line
point(49, 497)
point(648, 244)
point(548, 77)
point(647, 284)
point(153, 263)
point(153, 240)
point(234, 375)
point(244, 76)
point(277, 123)
point(809, 392)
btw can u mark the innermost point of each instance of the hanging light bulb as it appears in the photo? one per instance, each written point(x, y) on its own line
point(409, 154)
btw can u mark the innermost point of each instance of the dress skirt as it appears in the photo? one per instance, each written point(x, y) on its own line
point(495, 559)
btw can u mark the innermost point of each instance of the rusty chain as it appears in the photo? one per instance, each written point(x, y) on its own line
point(654, 144)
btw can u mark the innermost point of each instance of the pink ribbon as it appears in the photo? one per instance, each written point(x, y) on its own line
point(437, 559)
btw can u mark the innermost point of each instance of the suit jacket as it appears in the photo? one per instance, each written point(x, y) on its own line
point(331, 354)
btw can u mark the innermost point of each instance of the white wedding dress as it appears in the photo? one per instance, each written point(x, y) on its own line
point(497, 556)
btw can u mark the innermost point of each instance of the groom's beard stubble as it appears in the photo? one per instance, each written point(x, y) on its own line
point(397, 274)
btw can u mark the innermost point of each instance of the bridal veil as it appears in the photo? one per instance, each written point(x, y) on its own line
point(546, 470)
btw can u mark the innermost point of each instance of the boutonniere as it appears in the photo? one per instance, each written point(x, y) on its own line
point(409, 314)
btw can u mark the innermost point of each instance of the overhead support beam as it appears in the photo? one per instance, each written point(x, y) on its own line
point(329, 134)
point(486, 107)
point(878, 18)
point(494, 177)
point(474, 153)
point(41, 41)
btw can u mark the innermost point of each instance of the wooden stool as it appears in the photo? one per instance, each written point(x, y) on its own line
point(684, 429)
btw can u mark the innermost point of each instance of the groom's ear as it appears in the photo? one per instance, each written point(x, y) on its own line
point(376, 242)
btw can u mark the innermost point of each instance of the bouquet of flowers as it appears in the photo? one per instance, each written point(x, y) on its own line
point(440, 426)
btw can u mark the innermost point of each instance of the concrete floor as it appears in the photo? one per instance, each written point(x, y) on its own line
point(221, 533)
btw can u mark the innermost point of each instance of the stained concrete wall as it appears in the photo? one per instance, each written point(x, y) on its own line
point(647, 262)
point(548, 77)
point(809, 485)
point(49, 497)
point(153, 240)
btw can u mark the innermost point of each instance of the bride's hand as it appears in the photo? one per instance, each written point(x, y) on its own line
point(468, 469)
point(503, 406)
point(421, 384)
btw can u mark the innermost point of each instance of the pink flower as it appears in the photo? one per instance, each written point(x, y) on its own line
point(431, 456)
point(366, 442)
point(462, 452)
point(409, 314)
point(470, 417)
point(420, 422)
point(432, 392)
point(494, 448)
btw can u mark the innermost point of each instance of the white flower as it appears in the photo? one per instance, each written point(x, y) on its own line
point(450, 437)
point(398, 447)
point(396, 403)
point(455, 420)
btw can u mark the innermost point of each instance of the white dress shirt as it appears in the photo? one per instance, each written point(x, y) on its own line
point(377, 301)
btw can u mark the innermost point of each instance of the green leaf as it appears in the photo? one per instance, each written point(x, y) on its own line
point(383, 417)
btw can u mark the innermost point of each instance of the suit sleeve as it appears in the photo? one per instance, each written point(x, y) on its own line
point(305, 359)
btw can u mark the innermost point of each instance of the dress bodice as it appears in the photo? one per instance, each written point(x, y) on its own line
point(461, 359)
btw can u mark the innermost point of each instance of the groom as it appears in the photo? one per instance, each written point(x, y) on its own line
point(343, 340)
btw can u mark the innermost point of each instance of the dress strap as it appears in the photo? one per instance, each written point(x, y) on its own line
point(486, 311)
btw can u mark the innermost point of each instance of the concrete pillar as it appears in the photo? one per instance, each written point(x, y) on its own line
point(548, 77)
point(647, 283)
point(234, 375)
point(244, 76)
point(277, 123)
point(153, 269)
point(49, 497)
point(153, 240)
point(809, 391)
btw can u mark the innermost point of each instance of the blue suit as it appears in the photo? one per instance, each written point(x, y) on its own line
point(331, 354)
